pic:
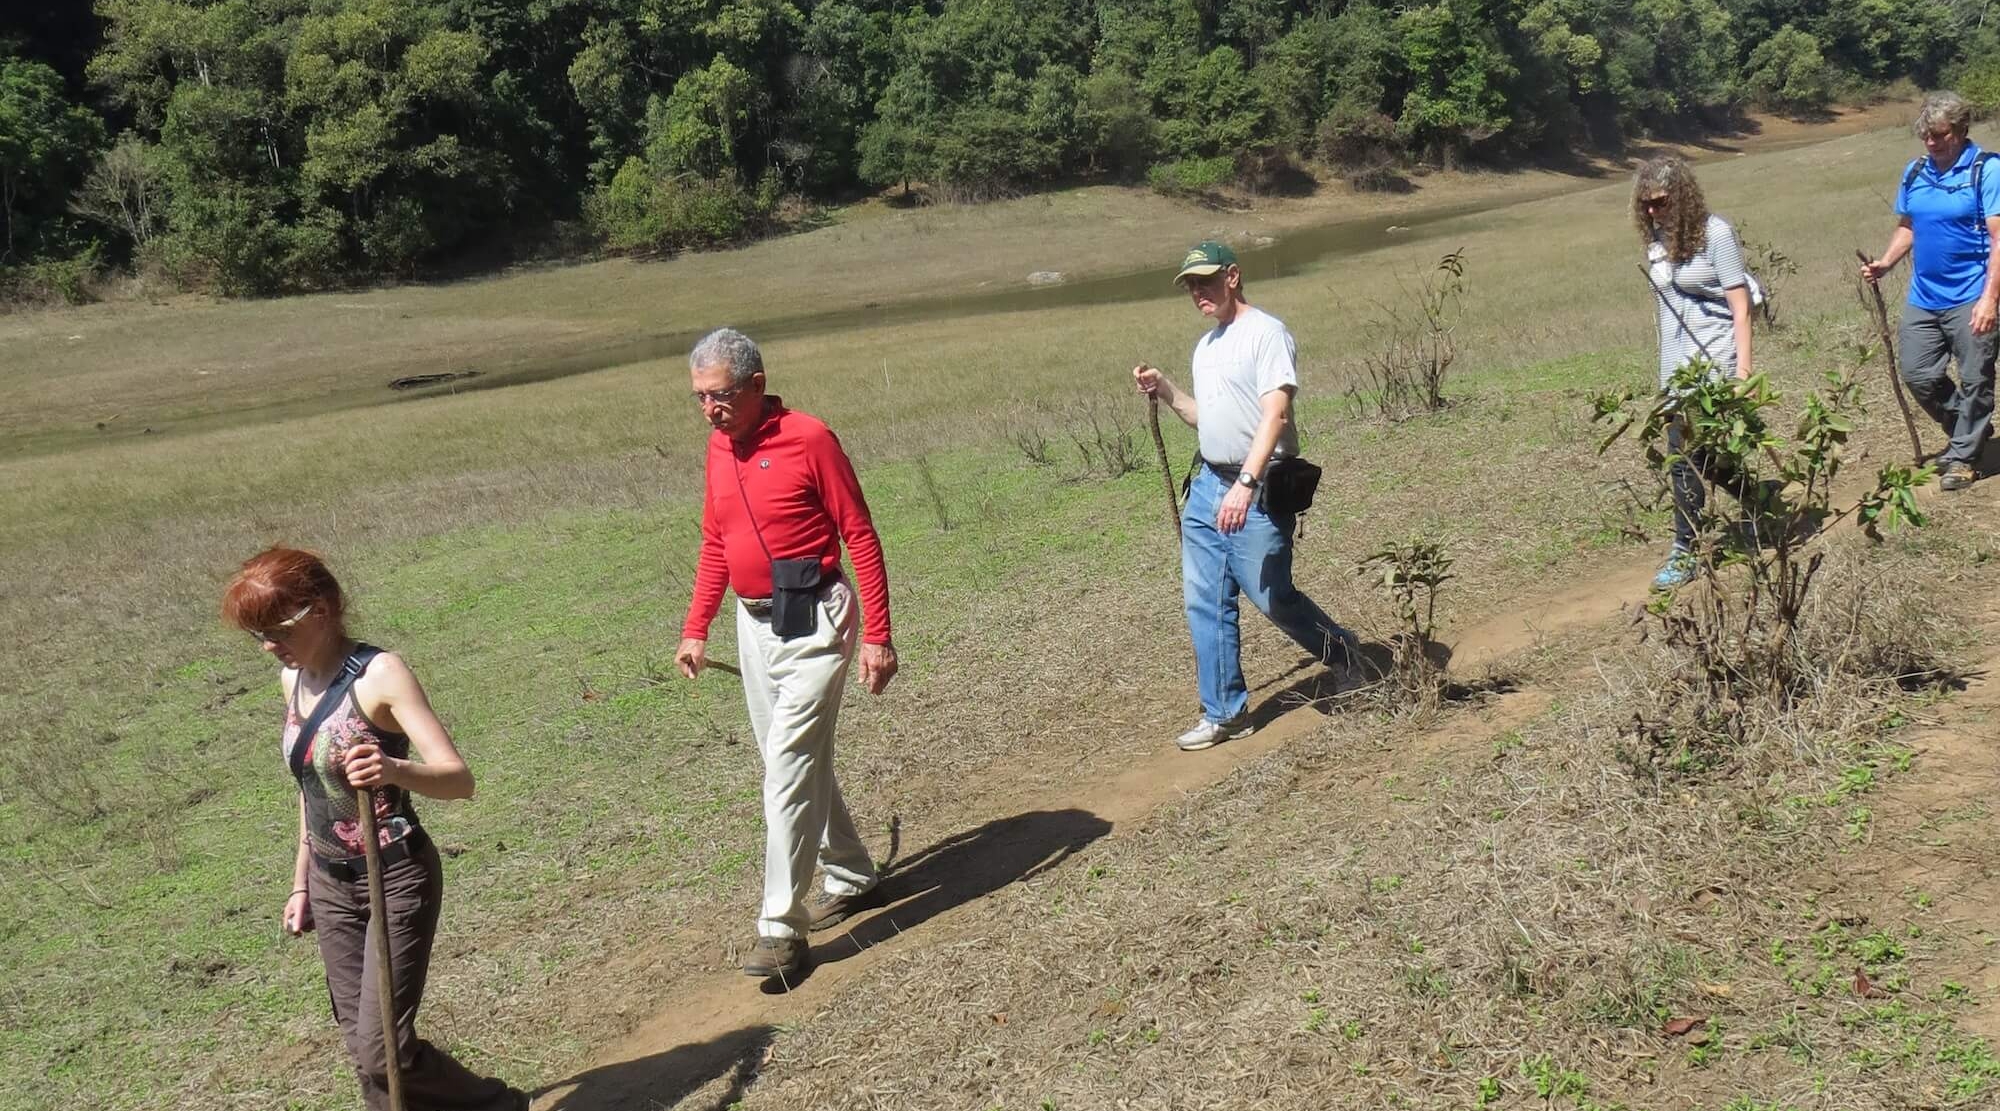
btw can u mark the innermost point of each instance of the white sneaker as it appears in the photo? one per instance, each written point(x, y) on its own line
point(1208, 734)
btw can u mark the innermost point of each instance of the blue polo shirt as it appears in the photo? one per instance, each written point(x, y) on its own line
point(1948, 257)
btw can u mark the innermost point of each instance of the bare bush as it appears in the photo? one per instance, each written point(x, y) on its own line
point(1107, 444)
point(933, 494)
point(1033, 444)
point(1406, 377)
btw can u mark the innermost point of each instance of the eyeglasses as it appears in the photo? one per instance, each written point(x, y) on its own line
point(719, 397)
point(282, 630)
point(1651, 203)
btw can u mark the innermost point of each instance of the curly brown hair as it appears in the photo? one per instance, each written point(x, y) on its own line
point(1683, 227)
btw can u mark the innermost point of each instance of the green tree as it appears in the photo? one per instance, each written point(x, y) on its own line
point(1457, 75)
point(697, 128)
point(1788, 73)
point(44, 142)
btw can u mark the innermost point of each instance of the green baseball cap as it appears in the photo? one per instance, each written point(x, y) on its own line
point(1203, 259)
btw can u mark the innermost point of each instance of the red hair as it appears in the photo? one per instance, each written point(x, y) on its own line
point(277, 583)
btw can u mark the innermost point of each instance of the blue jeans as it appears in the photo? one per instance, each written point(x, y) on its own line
point(1256, 562)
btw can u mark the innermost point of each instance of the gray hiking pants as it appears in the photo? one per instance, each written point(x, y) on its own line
point(1929, 340)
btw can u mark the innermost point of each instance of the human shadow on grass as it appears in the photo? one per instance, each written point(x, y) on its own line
point(665, 1079)
point(964, 867)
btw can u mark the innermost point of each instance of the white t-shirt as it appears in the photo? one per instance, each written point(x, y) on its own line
point(1235, 365)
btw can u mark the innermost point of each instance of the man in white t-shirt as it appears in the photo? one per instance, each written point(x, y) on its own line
point(1241, 411)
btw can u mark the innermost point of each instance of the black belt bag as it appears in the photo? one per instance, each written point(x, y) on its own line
point(795, 587)
point(395, 852)
point(1288, 487)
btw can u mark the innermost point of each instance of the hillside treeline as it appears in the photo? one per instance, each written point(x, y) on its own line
point(258, 146)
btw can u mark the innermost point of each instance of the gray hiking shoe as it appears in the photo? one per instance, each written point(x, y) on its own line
point(1208, 734)
point(1957, 476)
point(777, 956)
point(829, 910)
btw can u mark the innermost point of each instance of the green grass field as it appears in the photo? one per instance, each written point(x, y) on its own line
point(529, 550)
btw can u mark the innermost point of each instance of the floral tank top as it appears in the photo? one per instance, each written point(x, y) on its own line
point(333, 821)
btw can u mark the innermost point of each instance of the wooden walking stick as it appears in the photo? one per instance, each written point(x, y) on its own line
point(1889, 350)
point(378, 938)
point(1166, 469)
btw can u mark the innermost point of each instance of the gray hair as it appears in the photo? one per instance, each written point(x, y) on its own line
point(1944, 107)
point(731, 348)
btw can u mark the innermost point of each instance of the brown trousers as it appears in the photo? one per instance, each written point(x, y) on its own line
point(412, 888)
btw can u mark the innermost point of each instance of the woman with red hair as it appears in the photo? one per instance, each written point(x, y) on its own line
point(362, 737)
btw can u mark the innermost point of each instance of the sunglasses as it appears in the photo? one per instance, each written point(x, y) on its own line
point(282, 630)
point(1652, 203)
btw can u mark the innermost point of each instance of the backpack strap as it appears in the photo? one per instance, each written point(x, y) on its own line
point(351, 668)
point(1910, 174)
point(1978, 204)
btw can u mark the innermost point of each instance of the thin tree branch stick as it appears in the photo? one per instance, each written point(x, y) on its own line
point(1166, 469)
point(1889, 351)
point(378, 937)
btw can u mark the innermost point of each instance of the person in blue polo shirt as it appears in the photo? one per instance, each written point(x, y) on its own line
point(1949, 206)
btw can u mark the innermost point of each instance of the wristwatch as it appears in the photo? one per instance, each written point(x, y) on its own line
point(1245, 478)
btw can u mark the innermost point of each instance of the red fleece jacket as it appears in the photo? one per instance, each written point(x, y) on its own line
point(806, 500)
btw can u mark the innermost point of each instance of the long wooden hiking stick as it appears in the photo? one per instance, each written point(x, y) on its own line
point(1889, 351)
point(378, 938)
point(1166, 469)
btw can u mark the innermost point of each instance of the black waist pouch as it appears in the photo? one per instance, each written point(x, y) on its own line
point(1289, 486)
point(794, 597)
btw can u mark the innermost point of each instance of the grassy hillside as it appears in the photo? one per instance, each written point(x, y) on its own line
point(529, 550)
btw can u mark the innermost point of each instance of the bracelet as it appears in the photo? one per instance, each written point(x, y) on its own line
point(298, 891)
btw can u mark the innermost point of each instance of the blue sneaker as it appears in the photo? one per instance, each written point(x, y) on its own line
point(1677, 571)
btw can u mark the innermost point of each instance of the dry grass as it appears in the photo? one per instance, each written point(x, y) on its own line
point(1377, 920)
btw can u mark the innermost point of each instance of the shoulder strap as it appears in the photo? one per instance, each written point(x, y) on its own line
point(350, 669)
point(1978, 168)
point(1910, 174)
point(744, 492)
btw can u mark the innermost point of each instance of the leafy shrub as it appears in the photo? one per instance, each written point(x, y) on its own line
point(1186, 176)
point(641, 210)
point(1738, 623)
point(69, 281)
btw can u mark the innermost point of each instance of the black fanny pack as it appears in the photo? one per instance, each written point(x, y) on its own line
point(795, 597)
point(1289, 486)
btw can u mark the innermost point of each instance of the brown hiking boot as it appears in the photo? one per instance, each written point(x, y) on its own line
point(777, 956)
point(1957, 476)
point(829, 910)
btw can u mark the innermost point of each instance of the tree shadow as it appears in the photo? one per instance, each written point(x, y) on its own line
point(964, 867)
point(664, 1079)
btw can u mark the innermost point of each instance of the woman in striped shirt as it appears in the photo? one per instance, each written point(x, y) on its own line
point(1702, 292)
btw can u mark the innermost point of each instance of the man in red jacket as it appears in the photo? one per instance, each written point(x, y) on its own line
point(781, 499)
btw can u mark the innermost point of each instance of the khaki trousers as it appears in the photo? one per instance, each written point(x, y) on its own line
point(412, 889)
point(793, 688)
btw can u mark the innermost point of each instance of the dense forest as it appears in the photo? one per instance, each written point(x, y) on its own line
point(261, 146)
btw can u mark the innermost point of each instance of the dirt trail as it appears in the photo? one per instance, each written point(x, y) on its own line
point(719, 1019)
